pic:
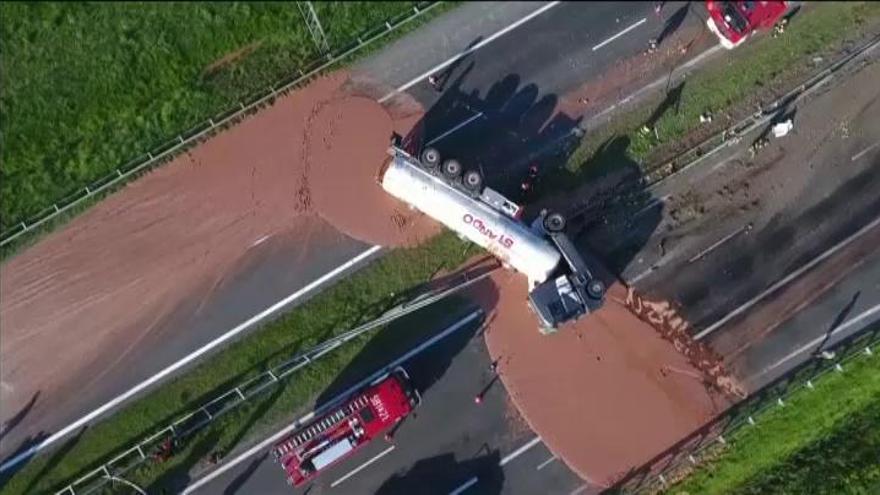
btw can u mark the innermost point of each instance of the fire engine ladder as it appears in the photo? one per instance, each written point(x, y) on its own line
point(328, 421)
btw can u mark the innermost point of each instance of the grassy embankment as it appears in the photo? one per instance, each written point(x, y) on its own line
point(86, 88)
point(823, 441)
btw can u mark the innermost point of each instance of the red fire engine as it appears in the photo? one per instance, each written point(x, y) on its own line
point(733, 22)
point(343, 430)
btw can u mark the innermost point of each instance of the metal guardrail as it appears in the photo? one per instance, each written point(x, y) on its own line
point(201, 416)
point(633, 190)
point(662, 473)
point(732, 135)
point(177, 144)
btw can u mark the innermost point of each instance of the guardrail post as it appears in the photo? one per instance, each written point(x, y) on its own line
point(272, 376)
point(239, 393)
point(206, 413)
point(868, 351)
point(118, 173)
point(180, 138)
point(751, 421)
point(780, 402)
point(810, 384)
point(88, 191)
point(838, 367)
point(24, 226)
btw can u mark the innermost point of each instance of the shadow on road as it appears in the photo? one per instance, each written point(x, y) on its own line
point(236, 484)
point(23, 446)
point(505, 129)
point(443, 474)
point(14, 421)
point(673, 23)
point(404, 334)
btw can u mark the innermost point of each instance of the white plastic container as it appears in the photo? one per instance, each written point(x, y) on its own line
point(506, 238)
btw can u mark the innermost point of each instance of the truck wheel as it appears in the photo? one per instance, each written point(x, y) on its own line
point(452, 169)
point(596, 289)
point(473, 181)
point(430, 158)
point(554, 222)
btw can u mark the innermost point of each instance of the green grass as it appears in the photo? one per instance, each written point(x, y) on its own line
point(86, 87)
point(759, 64)
point(355, 300)
point(824, 441)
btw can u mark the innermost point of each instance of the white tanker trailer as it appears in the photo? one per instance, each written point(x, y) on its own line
point(458, 200)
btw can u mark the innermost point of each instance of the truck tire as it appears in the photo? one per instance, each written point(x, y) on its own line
point(473, 181)
point(452, 169)
point(554, 222)
point(430, 158)
point(596, 289)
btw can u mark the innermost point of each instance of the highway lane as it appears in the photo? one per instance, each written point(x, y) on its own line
point(792, 215)
point(277, 268)
point(448, 441)
point(848, 307)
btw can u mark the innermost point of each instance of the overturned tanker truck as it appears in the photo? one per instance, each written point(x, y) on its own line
point(442, 189)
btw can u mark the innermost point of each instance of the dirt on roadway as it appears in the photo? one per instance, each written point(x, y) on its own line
point(605, 394)
point(76, 306)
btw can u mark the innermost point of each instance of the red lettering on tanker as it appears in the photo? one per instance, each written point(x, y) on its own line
point(478, 224)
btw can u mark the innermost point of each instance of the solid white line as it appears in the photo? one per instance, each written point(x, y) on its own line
point(470, 50)
point(545, 463)
point(618, 35)
point(579, 490)
point(467, 484)
point(362, 466)
point(308, 417)
point(518, 452)
point(140, 387)
point(864, 151)
point(785, 281)
point(457, 127)
point(812, 345)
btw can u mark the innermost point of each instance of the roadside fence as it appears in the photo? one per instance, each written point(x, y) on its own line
point(182, 141)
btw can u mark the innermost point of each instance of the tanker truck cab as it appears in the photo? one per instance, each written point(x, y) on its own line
point(573, 291)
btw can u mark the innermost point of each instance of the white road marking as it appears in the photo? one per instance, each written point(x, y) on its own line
point(545, 463)
point(308, 417)
point(172, 368)
point(618, 35)
point(467, 484)
point(457, 127)
point(579, 490)
point(813, 343)
point(362, 466)
point(718, 243)
point(785, 281)
point(864, 151)
point(260, 240)
point(470, 50)
point(520, 451)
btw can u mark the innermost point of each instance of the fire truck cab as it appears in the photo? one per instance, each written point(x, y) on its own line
point(734, 21)
point(343, 430)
